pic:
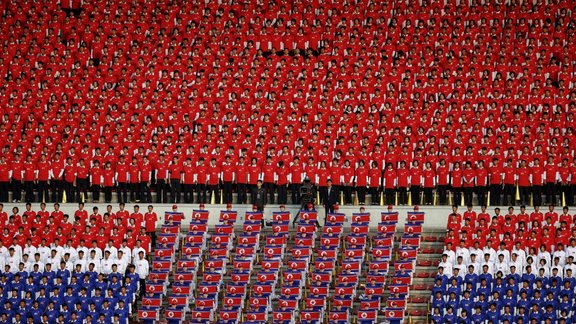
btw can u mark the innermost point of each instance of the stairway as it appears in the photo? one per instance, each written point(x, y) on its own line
point(426, 268)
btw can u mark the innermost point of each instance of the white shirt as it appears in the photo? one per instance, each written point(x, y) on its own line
point(506, 254)
point(142, 268)
point(30, 250)
point(560, 254)
point(451, 256)
point(521, 254)
point(44, 253)
point(107, 265)
point(72, 251)
point(464, 253)
point(13, 261)
point(571, 251)
point(447, 267)
point(113, 250)
point(490, 251)
point(135, 253)
point(501, 266)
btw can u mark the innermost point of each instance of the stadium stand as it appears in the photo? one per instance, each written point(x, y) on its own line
point(240, 269)
point(520, 269)
point(203, 98)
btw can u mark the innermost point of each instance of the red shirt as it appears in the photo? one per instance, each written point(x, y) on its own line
point(43, 171)
point(227, 170)
point(175, 170)
point(121, 172)
point(150, 221)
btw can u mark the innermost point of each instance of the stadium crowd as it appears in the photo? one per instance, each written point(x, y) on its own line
point(90, 269)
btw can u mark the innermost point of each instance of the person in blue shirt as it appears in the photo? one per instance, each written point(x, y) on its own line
point(101, 283)
point(438, 287)
point(454, 287)
point(551, 300)
point(466, 303)
point(464, 318)
point(69, 298)
point(471, 277)
point(499, 287)
point(529, 276)
point(55, 298)
point(122, 311)
point(124, 296)
point(485, 275)
point(97, 299)
point(21, 270)
point(535, 313)
point(522, 315)
point(107, 310)
point(453, 301)
point(509, 299)
point(565, 303)
point(84, 299)
point(436, 315)
point(51, 312)
point(19, 319)
point(87, 283)
point(493, 314)
point(507, 314)
point(63, 273)
point(112, 301)
point(35, 312)
point(5, 318)
point(438, 301)
point(14, 298)
point(65, 312)
point(450, 316)
point(21, 309)
point(114, 285)
point(513, 275)
point(536, 299)
point(481, 302)
point(75, 319)
point(92, 311)
point(17, 283)
point(549, 314)
point(484, 288)
point(36, 274)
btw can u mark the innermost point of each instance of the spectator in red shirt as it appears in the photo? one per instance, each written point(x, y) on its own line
point(175, 169)
point(390, 179)
point(442, 180)
point(509, 181)
point(429, 180)
point(524, 182)
point(17, 173)
point(403, 175)
point(228, 177)
point(121, 180)
point(108, 182)
point(241, 180)
point(134, 180)
point(145, 177)
point(161, 178)
point(495, 180)
point(537, 176)
point(29, 176)
point(95, 181)
point(70, 180)
point(456, 183)
point(5, 174)
point(375, 176)
point(214, 181)
point(150, 219)
point(469, 181)
point(361, 181)
point(42, 178)
point(82, 174)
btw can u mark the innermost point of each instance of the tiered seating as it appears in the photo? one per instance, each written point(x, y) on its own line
point(458, 81)
point(168, 243)
point(521, 267)
point(401, 280)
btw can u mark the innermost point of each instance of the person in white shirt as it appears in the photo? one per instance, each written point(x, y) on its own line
point(570, 265)
point(460, 266)
point(82, 247)
point(136, 252)
point(67, 248)
point(69, 263)
point(97, 250)
point(56, 246)
point(463, 251)
point(13, 260)
point(26, 262)
point(520, 253)
point(449, 253)
point(81, 261)
point(142, 268)
point(502, 250)
point(486, 262)
point(107, 263)
point(17, 249)
point(543, 254)
point(96, 261)
point(126, 252)
point(121, 262)
point(476, 250)
point(571, 249)
point(54, 258)
point(490, 251)
point(445, 264)
point(501, 265)
point(3, 252)
point(474, 262)
point(110, 247)
point(560, 254)
point(29, 249)
point(515, 261)
point(44, 251)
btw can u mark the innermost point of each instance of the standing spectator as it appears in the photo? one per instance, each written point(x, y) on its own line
point(509, 180)
point(268, 173)
point(228, 176)
point(429, 176)
point(415, 182)
point(361, 181)
point(390, 182)
point(214, 181)
point(42, 177)
point(456, 182)
point(295, 178)
point(537, 175)
point(96, 181)
point(29, 177)
point(481, 182)
point(347, 181)
point(201, 180)
point(443, 181)
point(70, 180)
point(254, 174)
point(241, 180)
point(259, 196)
point(108, 180)
point(469, 181)
point(175, 169)
point(150, 219)
point(145, 178)
point(551, 176)
point(524, 182)
point(5, 175)
point(82, 181)
point(121, 180)
point(134, 180)
point(188, 181)
point(56, 181)
point(495, 178)
point(282, 182)
point(142, 269)
point(565, 180)
point(375, 181)
point(330, 198)
point(403, 175)
point(161, 178)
